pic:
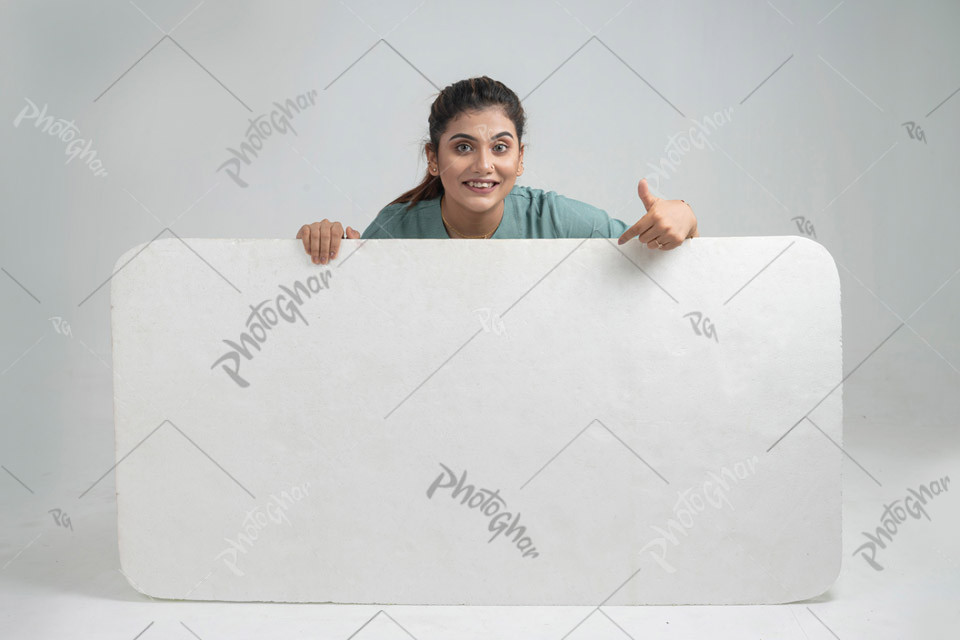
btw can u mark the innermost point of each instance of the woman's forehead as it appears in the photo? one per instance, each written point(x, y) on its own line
point(488, 122)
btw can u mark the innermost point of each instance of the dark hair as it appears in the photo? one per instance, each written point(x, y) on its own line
point(473, 94)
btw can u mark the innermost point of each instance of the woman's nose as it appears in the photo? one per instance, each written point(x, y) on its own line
point(486, 161)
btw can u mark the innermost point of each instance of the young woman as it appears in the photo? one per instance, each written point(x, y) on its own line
point(474, 157)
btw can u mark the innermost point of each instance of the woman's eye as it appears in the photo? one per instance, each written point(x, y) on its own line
point(501, 144)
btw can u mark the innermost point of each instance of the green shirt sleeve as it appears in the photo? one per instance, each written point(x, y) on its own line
point(385, 224)
point(576, 219)
point(372, 231)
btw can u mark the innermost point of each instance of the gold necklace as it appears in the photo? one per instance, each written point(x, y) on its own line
point(484, 236)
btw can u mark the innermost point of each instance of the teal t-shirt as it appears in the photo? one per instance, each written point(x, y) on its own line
point(527, 213)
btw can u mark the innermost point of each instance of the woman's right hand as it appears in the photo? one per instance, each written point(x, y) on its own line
point(322, 239)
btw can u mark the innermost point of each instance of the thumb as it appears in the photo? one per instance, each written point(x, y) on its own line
point(646, 196)
point(353, 234)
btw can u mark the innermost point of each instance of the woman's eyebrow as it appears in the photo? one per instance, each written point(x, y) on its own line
point(469, 137)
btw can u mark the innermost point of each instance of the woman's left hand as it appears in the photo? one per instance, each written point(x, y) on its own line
point(666, 224)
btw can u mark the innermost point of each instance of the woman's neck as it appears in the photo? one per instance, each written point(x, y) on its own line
point(470, 223)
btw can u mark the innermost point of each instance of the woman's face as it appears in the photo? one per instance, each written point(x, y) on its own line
point(478, 146)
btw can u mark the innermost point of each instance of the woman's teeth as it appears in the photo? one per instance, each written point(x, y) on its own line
point(481, 185)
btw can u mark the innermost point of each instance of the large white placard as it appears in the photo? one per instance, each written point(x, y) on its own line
point(527, 422)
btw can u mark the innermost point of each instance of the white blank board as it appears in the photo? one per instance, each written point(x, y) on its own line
point(506, 422)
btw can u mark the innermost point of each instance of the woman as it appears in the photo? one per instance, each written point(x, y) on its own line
point(474, 157)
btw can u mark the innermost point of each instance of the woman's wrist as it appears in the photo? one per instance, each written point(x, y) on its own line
point(693, 232)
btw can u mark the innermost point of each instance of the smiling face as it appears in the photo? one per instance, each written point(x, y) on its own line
point(478, 146)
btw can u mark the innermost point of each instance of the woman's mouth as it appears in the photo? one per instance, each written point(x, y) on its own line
point(481, 186)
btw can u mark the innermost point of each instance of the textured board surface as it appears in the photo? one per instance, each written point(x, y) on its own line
point(523, 422)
